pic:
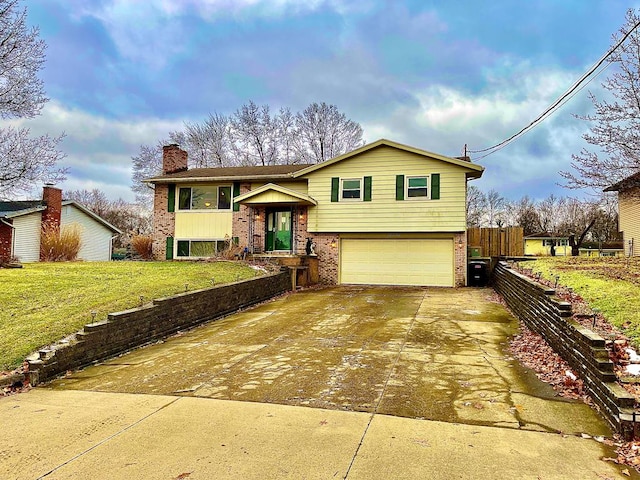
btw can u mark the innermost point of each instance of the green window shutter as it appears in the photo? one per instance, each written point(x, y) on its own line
point(335, 189)
point(236, 192)
point(399, 187)
point(435, 186)
point(171, 198)
point(169, 254)
point(367, 189)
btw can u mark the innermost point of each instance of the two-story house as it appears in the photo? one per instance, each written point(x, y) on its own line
point(384, 213)
point(629, 212)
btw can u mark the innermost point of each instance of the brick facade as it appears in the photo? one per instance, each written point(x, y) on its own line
point(164, 222)
point(241, 220)
point(327, 249)
point(460, 259)
point(6, 241)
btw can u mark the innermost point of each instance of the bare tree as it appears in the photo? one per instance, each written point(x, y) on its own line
point(605, 228)
point(24, 161)
point(495, 208)
point(147, 164)
point(285, 123)
point(526, 216)
point(615, 126)
point(322, 132)
point(254, 135)
point(476, 206)
point(208, 143)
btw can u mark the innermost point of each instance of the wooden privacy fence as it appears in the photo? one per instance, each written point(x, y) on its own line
point(496, 242)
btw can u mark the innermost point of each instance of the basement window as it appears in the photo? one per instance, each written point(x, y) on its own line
point(200, 248)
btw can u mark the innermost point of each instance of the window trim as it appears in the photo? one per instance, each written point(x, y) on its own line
point(427, 195)
point(360, 198)
point(217, 190)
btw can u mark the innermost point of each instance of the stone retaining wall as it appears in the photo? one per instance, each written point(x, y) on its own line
point(129, 329)
point(584, 350)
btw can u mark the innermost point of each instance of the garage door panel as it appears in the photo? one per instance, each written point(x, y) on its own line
point(397, 262)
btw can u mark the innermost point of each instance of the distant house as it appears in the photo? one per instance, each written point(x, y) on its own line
point(539, 244)
point(605, 249)
point(385, 213)
point(629, 212)
point(22, 221)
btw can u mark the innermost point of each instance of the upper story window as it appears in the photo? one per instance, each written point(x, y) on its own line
point(351, 189)
point(421, 187)
point(417, 187)
point(205, 197)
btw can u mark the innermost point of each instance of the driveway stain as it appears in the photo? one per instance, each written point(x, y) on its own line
point(426, 353)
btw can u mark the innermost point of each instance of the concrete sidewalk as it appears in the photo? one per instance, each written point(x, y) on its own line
point(89, 435)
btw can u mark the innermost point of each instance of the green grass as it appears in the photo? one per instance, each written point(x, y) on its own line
point(611, 285)
point(44, 302)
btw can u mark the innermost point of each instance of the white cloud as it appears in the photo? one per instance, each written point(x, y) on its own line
point(445, 119)
point(98, 149)
point(152, 31)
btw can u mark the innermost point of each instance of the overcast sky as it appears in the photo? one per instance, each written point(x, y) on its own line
point(432, 74)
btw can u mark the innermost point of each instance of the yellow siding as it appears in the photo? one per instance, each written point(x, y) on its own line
point(203, 225)
point(383, 213)
point(533, 246)
point(629, 219)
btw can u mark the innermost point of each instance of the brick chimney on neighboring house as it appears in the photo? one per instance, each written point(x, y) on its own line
point(174, 159)
point(52, 199)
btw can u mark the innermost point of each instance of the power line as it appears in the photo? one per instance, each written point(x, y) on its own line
point(575, 88)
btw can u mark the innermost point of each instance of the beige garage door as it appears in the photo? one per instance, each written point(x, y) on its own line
point(397, 262)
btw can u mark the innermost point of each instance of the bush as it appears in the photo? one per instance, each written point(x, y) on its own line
point(60, 244)
point(143, 245)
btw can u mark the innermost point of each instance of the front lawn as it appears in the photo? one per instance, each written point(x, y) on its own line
point(611, 285)
point(44, 302)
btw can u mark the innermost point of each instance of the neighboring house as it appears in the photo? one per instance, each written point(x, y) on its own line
point(22, 221)
point(605, 249)
point(539, 244)
point(629, 212)
point(385, 213)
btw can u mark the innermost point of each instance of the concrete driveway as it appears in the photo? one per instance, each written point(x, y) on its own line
point(406, 383)
point(434, 354)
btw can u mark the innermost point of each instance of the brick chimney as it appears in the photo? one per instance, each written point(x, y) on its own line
point(174, 159)
point(52, 198)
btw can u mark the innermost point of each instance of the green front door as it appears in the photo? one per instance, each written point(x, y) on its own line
point(279, 231)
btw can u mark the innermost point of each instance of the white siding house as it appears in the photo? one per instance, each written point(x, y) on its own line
point(96, 235)
point(26, 237)
point(21, 224)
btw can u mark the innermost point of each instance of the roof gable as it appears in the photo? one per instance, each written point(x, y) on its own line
point(284, 195)
point(89, 213)
point(473, 170)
